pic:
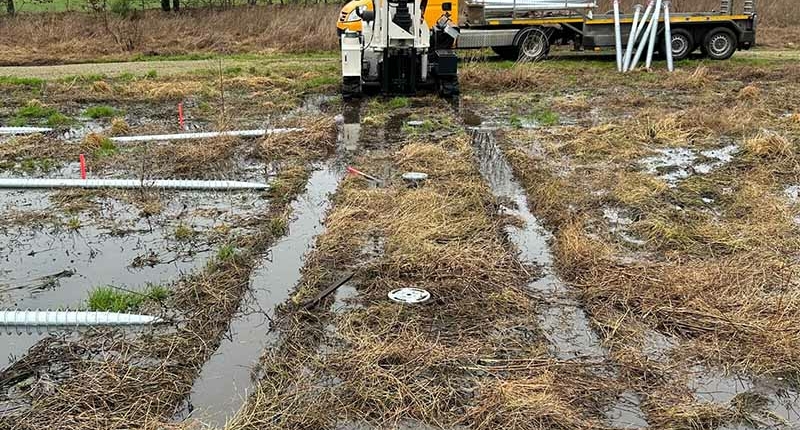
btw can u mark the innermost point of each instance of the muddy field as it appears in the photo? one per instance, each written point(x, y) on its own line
point(601, 250)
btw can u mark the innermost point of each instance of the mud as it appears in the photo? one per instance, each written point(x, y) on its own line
point(565, 324)
point(227, 377)
point(57, 265)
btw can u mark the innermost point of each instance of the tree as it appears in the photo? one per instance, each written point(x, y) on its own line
point(10, 7)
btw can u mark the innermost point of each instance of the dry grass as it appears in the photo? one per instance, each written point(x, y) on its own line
point(74, 37)
point(471, 356)
point(716, 270)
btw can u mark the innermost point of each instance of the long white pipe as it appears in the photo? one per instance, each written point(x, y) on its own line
point(617, 36)
point(19, 321)
point(637, 10)
point(651, 46)
point(24, 130)
point(668, 37)
point(642, 44)
point(204, 135)
point(174, 184)
point(643, 22)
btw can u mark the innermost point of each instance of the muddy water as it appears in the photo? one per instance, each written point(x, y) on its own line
point(561, 318)
point(55, 266)
point(226, 378)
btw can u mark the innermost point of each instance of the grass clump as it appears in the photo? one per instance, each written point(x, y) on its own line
point(112, 299)
point(35, 109)
point(768, 144)
point(278, 226)
point(58, 119)
point(226, 253)
point(399, 102)
point(101, 146)
point(101, 111)
point(183, 232)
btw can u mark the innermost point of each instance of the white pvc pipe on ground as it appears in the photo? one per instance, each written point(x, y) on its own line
point(617, 36)
point(626, 61)
point(668, 38)
point(651, 46)
point(174, 184)
point(204, 135)
point(23, 130)
point(20, 321)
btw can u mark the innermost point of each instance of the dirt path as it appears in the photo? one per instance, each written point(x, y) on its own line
point(163, 68)
point(172, 67)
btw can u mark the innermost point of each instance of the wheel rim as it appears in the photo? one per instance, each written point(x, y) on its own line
point(679, 46)
point(719, 45)
point(534, 46)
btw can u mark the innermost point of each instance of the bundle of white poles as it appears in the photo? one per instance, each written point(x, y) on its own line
point(643, 35)
point(532, 5)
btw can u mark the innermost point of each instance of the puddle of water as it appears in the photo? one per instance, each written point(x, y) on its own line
point(225, 380)
point(783, 402)
point(627, 412)
point(792, 193)
point(56, 268)
point(675, 164)
point(564, 323)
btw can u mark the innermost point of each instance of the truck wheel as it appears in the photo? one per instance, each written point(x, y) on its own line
point(448, 86)
point(506, 52)
point(720, 44)
point(682, 44)
point(532, 44)
point(351, 87)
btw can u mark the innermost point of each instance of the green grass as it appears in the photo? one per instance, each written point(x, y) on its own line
point(57, 119)
point(74, 223)
point(183, 232)
point(35, 110)
point(107, 148)
point(278, 226)
point(101, 111)
point(226, 252)
point(399, 102)
point(111, 299)
point(546, 117)
point(14, 80)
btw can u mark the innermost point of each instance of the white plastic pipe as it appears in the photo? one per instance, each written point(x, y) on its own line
point(626, 61)
point(668, 38)
point(27, 321)
point(23, 130)
point(204, 135)
point(175, 184)
point(617, 36)
point(642, 43)
point(651, 46)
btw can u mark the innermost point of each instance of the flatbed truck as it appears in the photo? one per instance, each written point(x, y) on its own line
point(524, 30)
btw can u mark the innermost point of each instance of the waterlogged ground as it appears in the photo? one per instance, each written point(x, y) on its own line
point(602, 251)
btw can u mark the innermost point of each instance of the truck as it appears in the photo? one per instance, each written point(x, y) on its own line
point(525, 30)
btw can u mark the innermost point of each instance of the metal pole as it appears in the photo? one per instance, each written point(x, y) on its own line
point(668, 38)
point(24, 130)
point(130, 184)
point(631, 38)
point(204, 135)
point(642, 44)
point(617, 36)
point(14, 321)
point(653, 33)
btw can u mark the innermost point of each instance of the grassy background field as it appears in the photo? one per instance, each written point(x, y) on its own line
point(67, 37)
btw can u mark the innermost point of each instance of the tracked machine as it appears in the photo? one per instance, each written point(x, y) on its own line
point(397, 53)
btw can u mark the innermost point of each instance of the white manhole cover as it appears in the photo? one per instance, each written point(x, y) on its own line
point(415, 176)
point(409, 295)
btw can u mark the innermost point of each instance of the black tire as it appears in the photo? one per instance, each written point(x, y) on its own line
point(506, 52)
point(682, 44)
point(351, 87)
point(532, 44)
point(720, 43)
point(448, 87)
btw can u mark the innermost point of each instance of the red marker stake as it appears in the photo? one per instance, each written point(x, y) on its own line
point(83, 166)
point(362, 174)
point(180, 116)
